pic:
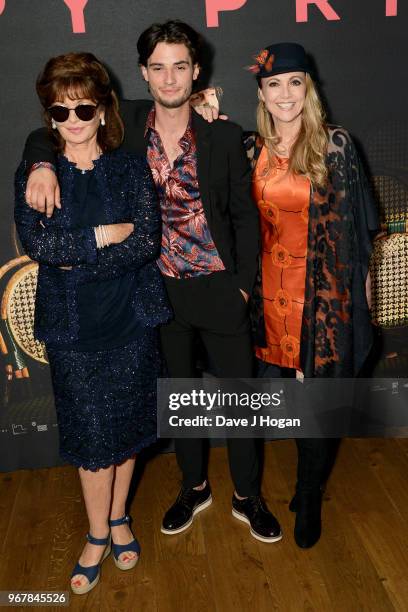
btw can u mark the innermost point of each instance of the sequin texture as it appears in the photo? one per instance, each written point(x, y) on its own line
point(128, 194)
point(106, 401)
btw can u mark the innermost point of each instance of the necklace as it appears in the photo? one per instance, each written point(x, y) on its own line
point(285, 148)
point(89, 165)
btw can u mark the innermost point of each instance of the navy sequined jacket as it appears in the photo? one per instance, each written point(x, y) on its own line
point(128, 194)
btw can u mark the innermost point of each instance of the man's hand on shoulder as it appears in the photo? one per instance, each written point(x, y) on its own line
point(206, 104)
point(43, 192)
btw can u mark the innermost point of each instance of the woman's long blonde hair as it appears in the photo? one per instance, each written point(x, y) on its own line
point(308, 154)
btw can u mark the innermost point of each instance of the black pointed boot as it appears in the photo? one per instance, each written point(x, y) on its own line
point(308, 524)
point(313, 456)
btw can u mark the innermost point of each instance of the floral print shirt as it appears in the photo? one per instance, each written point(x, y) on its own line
point(187, 249)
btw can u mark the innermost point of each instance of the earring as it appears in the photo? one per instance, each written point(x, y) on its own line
point(263, 106)
point(103, 121)
point(53, 124)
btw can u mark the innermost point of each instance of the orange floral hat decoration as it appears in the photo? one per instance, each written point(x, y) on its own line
point(280, 58)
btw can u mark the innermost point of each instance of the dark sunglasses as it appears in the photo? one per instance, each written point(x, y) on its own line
point(84, 112)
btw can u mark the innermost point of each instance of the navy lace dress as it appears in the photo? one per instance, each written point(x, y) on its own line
point(105, 360)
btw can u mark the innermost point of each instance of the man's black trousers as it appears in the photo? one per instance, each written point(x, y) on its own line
point(212, 308)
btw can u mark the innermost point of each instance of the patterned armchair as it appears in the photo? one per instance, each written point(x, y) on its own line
point(18, 279)
point(386, 148)
point(389, 262)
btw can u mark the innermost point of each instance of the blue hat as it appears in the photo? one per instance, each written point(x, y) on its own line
point(280, 58)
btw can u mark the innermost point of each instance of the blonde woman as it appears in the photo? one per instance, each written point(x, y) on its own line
point(310, 310)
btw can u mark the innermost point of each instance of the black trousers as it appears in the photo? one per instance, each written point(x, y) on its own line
point(316, 456)
point(210, 308)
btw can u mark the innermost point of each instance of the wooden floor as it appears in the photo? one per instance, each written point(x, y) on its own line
point(360, 563)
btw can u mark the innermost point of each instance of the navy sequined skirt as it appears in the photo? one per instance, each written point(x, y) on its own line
point(106, 400)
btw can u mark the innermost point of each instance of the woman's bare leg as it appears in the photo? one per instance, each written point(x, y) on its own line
point(97, 491)
point(121, 483)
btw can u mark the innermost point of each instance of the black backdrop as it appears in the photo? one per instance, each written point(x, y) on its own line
point(360, 52)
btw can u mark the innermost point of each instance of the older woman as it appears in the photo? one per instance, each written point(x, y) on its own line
point(99, 299)
point(310, 312)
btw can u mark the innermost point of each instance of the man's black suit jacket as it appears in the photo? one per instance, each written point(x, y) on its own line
point(224, 177)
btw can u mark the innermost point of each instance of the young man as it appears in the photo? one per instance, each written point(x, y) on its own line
point(209, 251)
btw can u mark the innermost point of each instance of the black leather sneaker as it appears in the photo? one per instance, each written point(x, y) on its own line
point(181, 514)
point(253, 510)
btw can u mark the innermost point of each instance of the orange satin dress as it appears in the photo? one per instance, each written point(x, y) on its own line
point(283, 202)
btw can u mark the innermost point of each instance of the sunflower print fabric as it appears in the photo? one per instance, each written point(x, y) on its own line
point(283, 204)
